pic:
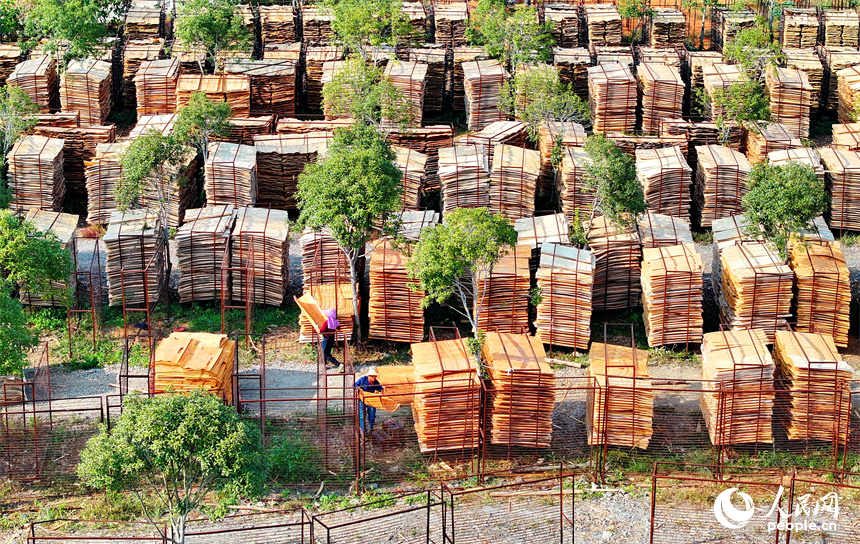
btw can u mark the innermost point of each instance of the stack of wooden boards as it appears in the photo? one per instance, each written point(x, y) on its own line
point(427, 140)
point(505, 292)
point(672, 294)
point(602, 24)
point(326, 278)
point(417, 16)
point(721, 182)
point(543, 229)
point(807, 60)
point(185, 361)
point(273, 84)
point(233, 89)
point(790, 98)
point(79, 146)
point(763, 140)
point(103, 176)
point(834, 59)
point(665, 177)
point(662, 91)
point(394, 304)
point(609, 54)
point(738, 397)
point(728, 23)
point(699, 133)
point(568, 134)
point(462, 55)
point(576, 198)
point(848, 86)
point(451, 20)
point(659, 230)
point(572, 64)
point(178, 187)
point(667, 56)
point(260, 246)
point(513, 181)
point(436, 83)
point(155, 85)
point(565, 279)
point(62, 226)
point(847, 136)
point(412, 165)
point(522, 390)
point(612, 98)
point(38, 78)
point(230, 175)
point(85, 87)
point(191, 57)
point(840, 27)
point(280, 160)
point(277, 24)
point(136, 52)
point(163, 124)
point(482, 82)
point(621, 406)
point(411, 79)
point(565, 18)
point(805, 156)
point(800, 27)
point(10, 56)
point(617, 252)
point(144, 19)
point(717, 78)
point(843, 184)
point(243, 130)
point(35, 177)
point(823, 289)
point(497, 132)
point(201, 246)
point(134, 243)
point(668, 27)
point(464, 173)
point(315, 59)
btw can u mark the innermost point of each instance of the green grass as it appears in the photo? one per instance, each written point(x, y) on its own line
point(293, 459)
point(849, 239)
point(107, 351)
point(706, 237)
point(48, 319)
point(664, 355)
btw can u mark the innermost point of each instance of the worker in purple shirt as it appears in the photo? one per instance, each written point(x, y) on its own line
point(328, 331)
point(367, 384)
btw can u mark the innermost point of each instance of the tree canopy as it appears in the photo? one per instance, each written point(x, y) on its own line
point(703, 7)
point(216, 25)
point(178, 448)
point(17, 115)
point(611, 173)
point(16, 337)
point(366, 25)
point(201, 121)
point(514, 35)
point(31, 258)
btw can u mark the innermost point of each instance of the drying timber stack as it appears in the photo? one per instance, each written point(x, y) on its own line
point(278, 24)
point(572, 67)
point(662, 91)
point(727, 23)
point(243, 130)
point(617, 252)
point(702, 133)
point(721, 182)
point(665, 178)
point(668, 27)
point(394, 307)
point(144, 19)
point(608, 54)
point(202, 244)
point(427, 140)
point(162, 123)
point(326, 277)
point(672, 294)
point(230, 175)
point(848, 87)
point(513, 181)
point(612, 98)
point(456, 84)
point(63, 227)
point(761, 141)
point(668, 56)
point(568, 134)
point(283, 51)
point(260, 245)
point(497, 132)
point(38, 78)
point(233, 89)
point(800, 155)
point(506, 292)
point(297, 126)
point(630, 144)
point(273, 84)
point(410, 78)
point(543, 229)
point(621, 407)
point(659, 230)
point(521, 391)
point(79, 146)
point(483, 81)
point(155, 85)
point(840, 27)
point(10, 56)
point(135, 248)
point(85, 87)
point(800, 28)
point(191, 57)
point(436, 82)
point(316, 25)
point(464, 173)
point(412, 165)
point(103, 175)
point(835, 59)
point(565, 19)
point(315, 59)
point(790, 98)
point(694, 77)
point(565, 278)
point(719, 77)
point(823, 290)
point(847, 136)
point(417, 17)
point(576, 198)
point(35, 178)
point(807, 61)
point(843, 184)
point(280, 160)
point(189, 361)
point(451, 20)
point(179, 188)
point(136, 52)
point(813, 387)
point(737, 374)
point(602, 24)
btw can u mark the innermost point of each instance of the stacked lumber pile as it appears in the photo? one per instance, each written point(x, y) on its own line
point(737, 374)
point(719, 77)
point(233, 89)
point(412, 165)
point(801, 155)
point(761, 141)
point(316, 25)
point(85, 87)
point(297, 126)
point(427, 140)
point(261, 244)
point(451, 20)
point(612, 98)
point(79, 146)
point(497, 132)
point(813, 387)
point(278, 24)
point(621, 408)
point(243, 130)
point(230, 175)
point(461, 55)
point(668, 27)
point(413, 222)
point(273, 84)
point(447, 401)
point(662, 91)
point(602, 24)
point(576, 198)
point(847, 136)
point(630, 144)
point(823, 290)
point(201, 245)
point(672, 294)
point(694, 77)
point(417, 17)
point(800, 27)
point(659, 230)
point(155, 85)
point(843, 184)
point(35, 176)
point(411, 79)
point(134, 244)
point(790, 98)
point(807, 60)
point(571, 134)
point(329, 70)
point(283, 51)
point(136, 52)
point(191, 57)
point(513, 181)
point(848, 87)
point(728, 23)
point(665, 178)
point(103, 173)
point(436, 82)
point(63, 227)
point(145, 19)
point(721, 182)
point(326, 278)
point(394, 307)
point(522, 391)
point(10, 56)
point(181, 193)
point(543, 229)
point(464, 173)
point(315, 59)
point(835, 59)
point(60, 119)
point(840, 27)
point(659, 55)
point(701, 133)
point(38, 78)
point(617, 252)
point(482, 82)
point(162, 123)
point(607, 54)
point(572, 67)
point(187, 361)
point(280, 160)
point(506, 292)
point(565, 279)
point(565, 19)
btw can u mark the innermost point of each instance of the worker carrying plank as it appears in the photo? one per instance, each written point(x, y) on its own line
point(367, 384)
point(328, 329)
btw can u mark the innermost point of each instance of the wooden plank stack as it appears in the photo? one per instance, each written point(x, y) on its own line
point(86, 87)
point(273, 84)
point(602, 24)
point(570, 134)
point(665, 177)
point(848, 87)
point(103, 175)
point(813, 387)
point(329, 70)
point(607, 54)
point(840, 27)
point(412, 165)
point(572, 67)
point(728, 23)
point(451, 20)
point(413, 222)
point(145, 19)
point(565, 278)
point(201, 245)
point(617, 252)
point(699, 133)
point(801, 155)
point(659, 55)
point(847, 136)
point(483, 81)
point(436, 82)
point(155, 85)
point(394, 307)
point(672, 294)
point(668, 27)
point(761, 141)
point(63, 227)
point(315, 58)
point(719, 77)
point(417, 16)
point(513, 181)
point(134, 244)
point(843, 184)
point(807, 60)
point(659, 230)
point(35, 176)
point(261, 244)
point(191, 57)
point(233, 89)
point(692, 72)
point(543, 229)
point(800, 27)
point(835, 59)
point(186, 361)
point(411, 79)
point(280, 160)
point(506, 292)
point(278, 24)
point(522, 391)
point(612, 98)
point(464, 173)
point(737, 374)
point(283, 51)
point(631, 143)
point(790, 98)
point(38, 78)
point(162, 123)
point(59, 119)
point(497, 132)
point(565, 30)
point(10, 56)
point(662, 92)
point(243, 130)
point(326, 277)
point(461, 55)
point(79, 146)
point(316, 25)
point(576, 198)
point(823, 290)
point(230, 175)
point(180, 194)
point(136, 52)
point(621, 407)
point(721, 182)
point(427, 140)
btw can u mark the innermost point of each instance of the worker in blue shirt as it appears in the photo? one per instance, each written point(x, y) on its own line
point(367, 384)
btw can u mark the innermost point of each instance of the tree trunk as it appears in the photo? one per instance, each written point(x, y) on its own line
point(178, 526)
point(702, 34)
point(352, 256)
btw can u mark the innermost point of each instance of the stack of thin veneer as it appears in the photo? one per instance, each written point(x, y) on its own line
point(543, 229)
point(180, 194)
point(278, 24)
point(727, 23)
point(86, 87)
point(79, 146)
point(144, 19)
point(694, 63)
point(103, 177)
point(315, 59)
point(672, 294)
point(417, 17)
point(134, 54)
point(668, 27)
point(522, 390)
point(840, 27)
point(427, 140)
point(63, 227)
point(62, 119)
point(316, 25)
point(38, 78)
point(283, 51)
point(273, 84)
point(665, 177)
point(410, 78)
point(280, 160)
point(659, 55)
point(231, 175)
point(447, 400)
point(394, 306)
point(464, 173)
point(807, 60)
point(631, 143)
point(761, 141)
point(505, 292)
point(617, 252)
point(719, 77)
point(161, 123)
point(461, 55)
point(607, 54)
point(483, 81)
point(835, 59)
point(565, 19)
point(134, 245)
point(326, 276)
point(260, 244)
point(572, 67)
point(737, 378)
point(190, 361)
point(800, 27)
point(612, 98)
point(513, 181)
point(497, 132)
point(847, 136)
point(800, 155)
point(411, 164)
point(10, 56)
point(813, 387)
point(233, 89)
point(823, 289)
point(413, 222)
point(243, 130)
point(702, 133)
point(451, 20)
point(201, 244)
point(662, 91)
point(659, 230)
point(565, 278)
point(621, 407)
point(848, 87)
point(602, 24)
point(191, 57)
point(329, 70)
point(155, 85)
point(301, 126)
point(721, 182)
point(35, 177)
point(756, 288)
point(570, 134)
point(435, 83)
point(576, 198)
point(790, 98)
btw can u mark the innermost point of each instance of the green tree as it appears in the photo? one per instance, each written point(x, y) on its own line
point(353, 191)
point(202, 121)
point(703, 7)
point(364, 26)
point(753, 50)
point(743, 102)
point(17, 115)
point(178, 448)
point(10, 20)
point(635, 9)
point(513, 35)
point(782, 200)
point(16, 337)
point(216, 25)
point(611, 173)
